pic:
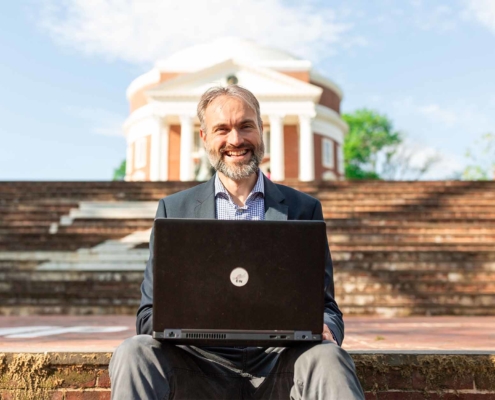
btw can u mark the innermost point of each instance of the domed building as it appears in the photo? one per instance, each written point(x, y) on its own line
point(303, 130)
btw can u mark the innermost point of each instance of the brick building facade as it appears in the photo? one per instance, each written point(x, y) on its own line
point(303, 131)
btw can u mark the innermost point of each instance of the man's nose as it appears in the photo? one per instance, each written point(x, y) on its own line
point(235, 137)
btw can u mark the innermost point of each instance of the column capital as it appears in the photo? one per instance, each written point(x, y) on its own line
point(276, 117)
point(304, 118)
point(186, 118)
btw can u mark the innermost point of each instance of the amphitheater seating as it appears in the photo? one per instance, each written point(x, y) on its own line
point(399, 248)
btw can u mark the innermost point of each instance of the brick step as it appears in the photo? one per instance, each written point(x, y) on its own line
point(436, 229)
point(72, 187)
point(94, 223)
point(383, 375)
point(419, 266)
point(47, 242)
point(414, 216)
point(387, 310)
point(399, 222)
point(371, 285)
point(112, 232)
point(412, 256)
point(449, 247)
point(57, 308)
point(404, 196)
point(446, 202)
point(17, 265)
point(36, 208)
point(365, 238)
point(425, 300)
point(13, 224)
point(52, 216)
point(457, 209)
point(397, 191)
point(398, 247)
point(39, 287)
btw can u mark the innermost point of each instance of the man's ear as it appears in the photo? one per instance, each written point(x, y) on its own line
point(202, 135)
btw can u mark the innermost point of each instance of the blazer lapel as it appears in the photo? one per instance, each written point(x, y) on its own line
point(274, 209)
point(205, 201)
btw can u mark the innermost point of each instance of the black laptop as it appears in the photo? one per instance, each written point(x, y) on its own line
point(238, 283)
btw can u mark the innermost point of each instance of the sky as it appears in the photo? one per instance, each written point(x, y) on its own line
point(429, 65)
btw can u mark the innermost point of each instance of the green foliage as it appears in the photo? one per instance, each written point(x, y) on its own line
point(119, 173)
point(370, 134)
point(482, 160)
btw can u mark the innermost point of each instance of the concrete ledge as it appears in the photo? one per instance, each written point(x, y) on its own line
point(384, 375)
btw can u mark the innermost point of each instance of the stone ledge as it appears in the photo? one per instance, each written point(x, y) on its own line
point(384, 375)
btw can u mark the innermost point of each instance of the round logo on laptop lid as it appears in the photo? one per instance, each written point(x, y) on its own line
point(239, 277)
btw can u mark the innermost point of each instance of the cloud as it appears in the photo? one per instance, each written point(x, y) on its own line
point(141, 32)
point(99, 121)
point(483, 11)
point(434, 111)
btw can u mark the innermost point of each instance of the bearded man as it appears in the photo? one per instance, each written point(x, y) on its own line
point(144, 368)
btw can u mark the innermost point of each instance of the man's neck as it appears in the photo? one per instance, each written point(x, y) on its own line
point(239, 190)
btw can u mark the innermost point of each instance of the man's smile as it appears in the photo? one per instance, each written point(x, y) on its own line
point(236, 154)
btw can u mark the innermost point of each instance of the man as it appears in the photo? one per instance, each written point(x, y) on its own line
point(143, 368)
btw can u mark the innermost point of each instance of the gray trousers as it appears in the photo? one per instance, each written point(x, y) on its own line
point(143, 368)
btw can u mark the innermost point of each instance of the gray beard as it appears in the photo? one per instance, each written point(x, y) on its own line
point(237, 171)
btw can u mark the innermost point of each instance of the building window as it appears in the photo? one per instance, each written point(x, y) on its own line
point(140, 153)
point(266, 141)
point(328, 155)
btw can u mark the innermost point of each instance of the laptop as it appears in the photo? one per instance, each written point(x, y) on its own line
point(238, 283)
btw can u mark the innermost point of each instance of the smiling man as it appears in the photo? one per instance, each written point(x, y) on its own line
point(143, 368)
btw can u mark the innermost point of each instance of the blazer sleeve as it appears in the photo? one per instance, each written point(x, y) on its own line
point(144, 320)
point(332, 314)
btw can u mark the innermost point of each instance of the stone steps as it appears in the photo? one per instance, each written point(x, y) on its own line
point(402, 248)
point(106, 291)
point(383, 375)
point(411, 239)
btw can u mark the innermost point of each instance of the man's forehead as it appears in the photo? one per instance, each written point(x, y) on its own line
point(228, 104)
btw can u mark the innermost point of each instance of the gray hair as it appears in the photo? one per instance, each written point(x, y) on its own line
point(231, 91)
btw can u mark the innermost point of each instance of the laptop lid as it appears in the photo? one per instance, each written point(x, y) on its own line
point(225, 282)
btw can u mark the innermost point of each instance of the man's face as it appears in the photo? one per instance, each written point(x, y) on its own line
point(232, 138)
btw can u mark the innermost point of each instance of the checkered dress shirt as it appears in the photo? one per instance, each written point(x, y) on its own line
point(254, 207)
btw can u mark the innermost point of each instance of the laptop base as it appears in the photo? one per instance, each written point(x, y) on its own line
point(198, 337)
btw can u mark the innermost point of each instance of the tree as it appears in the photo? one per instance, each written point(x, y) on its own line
point(482, 160)
point(119, 173)
point(369, 135)
point(407, 161)
point(374, 150)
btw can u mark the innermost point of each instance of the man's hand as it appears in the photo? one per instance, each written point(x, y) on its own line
point(327, 335)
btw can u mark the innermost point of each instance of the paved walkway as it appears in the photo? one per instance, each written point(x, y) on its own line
point(104, 333)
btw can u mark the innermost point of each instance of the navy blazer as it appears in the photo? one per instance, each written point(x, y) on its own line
point(281, 203)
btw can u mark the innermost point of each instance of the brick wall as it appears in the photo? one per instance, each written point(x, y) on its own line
point(384, 376)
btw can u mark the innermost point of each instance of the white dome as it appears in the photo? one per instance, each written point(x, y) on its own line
point(205, 55)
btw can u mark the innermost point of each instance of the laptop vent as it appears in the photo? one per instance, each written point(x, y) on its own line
point(206, 336)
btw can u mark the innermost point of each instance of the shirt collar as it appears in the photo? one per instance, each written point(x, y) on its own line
point(259, 186)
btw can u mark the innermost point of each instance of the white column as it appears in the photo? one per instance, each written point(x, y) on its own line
point(340, 157)
point(186, 148)
point(277, 165)
point(164, 153)
point(306, 150)
point(155, 152)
